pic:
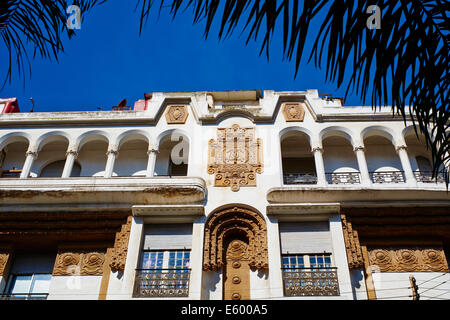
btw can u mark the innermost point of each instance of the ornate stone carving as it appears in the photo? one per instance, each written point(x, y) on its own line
point(235, 157)
point(352, 245)
point(83, 263)
point(293, 112)
point(176, 114)
point(4, 256)
point(92, 263)
point(119, 252)
point(413, 259)
point(224, 226)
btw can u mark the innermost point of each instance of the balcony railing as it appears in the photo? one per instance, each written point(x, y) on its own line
point(343, 178)
point(387, 177)
point(300, 178)
point(24, 296)
point(162, 283)
point(427, 176)
point(310, 282)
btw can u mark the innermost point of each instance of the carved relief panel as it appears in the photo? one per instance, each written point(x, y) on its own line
point(74, 262)
point(237, 272)
point(176, 114)
point(235, 157)
point(413, 259)
point(293, 112)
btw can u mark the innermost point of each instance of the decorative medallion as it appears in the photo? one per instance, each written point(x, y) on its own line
point(235, 157)
point(293, 112)
point(176, 114)
point(84, 263)
point(412, 259)
point(236, 296)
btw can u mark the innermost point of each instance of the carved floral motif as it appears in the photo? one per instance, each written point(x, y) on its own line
point(408, 259)
point(176, 114)
point(293, 112)
point(83, 263)
point(235, 157)
point(352, 245)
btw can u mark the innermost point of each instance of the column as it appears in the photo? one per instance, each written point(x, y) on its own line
point(320, 168)
point(152, 154)
point(112, 154)
point(31, 155)
point(404, 158)
point(362, 164)
point(71, 155)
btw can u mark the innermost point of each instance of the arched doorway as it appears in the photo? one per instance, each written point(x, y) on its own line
point(235, 242)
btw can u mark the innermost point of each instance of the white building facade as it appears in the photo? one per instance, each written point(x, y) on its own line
point(221, 195)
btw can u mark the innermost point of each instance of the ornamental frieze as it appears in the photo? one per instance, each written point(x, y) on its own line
point(412, 259)
point(69, 263)
point(235, 157)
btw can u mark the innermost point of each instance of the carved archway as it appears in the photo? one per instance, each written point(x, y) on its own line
point(226, 225)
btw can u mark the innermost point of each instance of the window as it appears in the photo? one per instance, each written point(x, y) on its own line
point(28, 286)
point(309, 275)
point(163, 274)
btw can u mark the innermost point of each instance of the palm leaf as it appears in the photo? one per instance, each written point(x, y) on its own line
point(411, 50)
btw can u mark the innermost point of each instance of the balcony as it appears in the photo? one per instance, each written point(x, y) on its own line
point(343, 178)
point(153, 283)
point(387, 177)
point(24, 296)
point(310, 282)
point(300, 178)
point(428, 177)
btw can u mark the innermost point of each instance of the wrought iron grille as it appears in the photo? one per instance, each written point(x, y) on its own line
point(427, 176)
point(310, 282)
point(300, 178)
point(24, 296)
point(162, 283)
point(343, 178)
point(387, 177)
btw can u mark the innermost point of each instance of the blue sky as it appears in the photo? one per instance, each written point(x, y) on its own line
point(108, 61)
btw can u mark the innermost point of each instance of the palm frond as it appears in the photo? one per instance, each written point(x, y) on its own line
point(411, 50)
point(35, 26)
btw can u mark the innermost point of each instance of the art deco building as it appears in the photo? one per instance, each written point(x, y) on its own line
point(220, 195)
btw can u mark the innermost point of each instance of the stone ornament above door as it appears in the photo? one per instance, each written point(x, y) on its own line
point(176, 114)
point(235, 157)
point(293, 112)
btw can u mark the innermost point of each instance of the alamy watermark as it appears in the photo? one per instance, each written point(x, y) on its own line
point(74, 19)
point(374, 20)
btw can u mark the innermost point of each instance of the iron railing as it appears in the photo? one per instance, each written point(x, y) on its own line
point(300, 178)
point(387, 177)
point(310, 282)
point(427, 176)
point(24, 296)
point(343, 178)
point(161, 283)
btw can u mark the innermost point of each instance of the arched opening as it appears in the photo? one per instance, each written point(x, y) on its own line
point(132, 158)
point(92, 156)
point(340, 162)
point(382, 160)
point(420, 159)
point(297, 159)
point(173, 156)
point(51, 157)
point(235, 242)
point(12, 158)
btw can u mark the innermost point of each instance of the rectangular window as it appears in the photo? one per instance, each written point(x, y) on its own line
point(28, 286)
point(163, 273)
point(309, 275)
